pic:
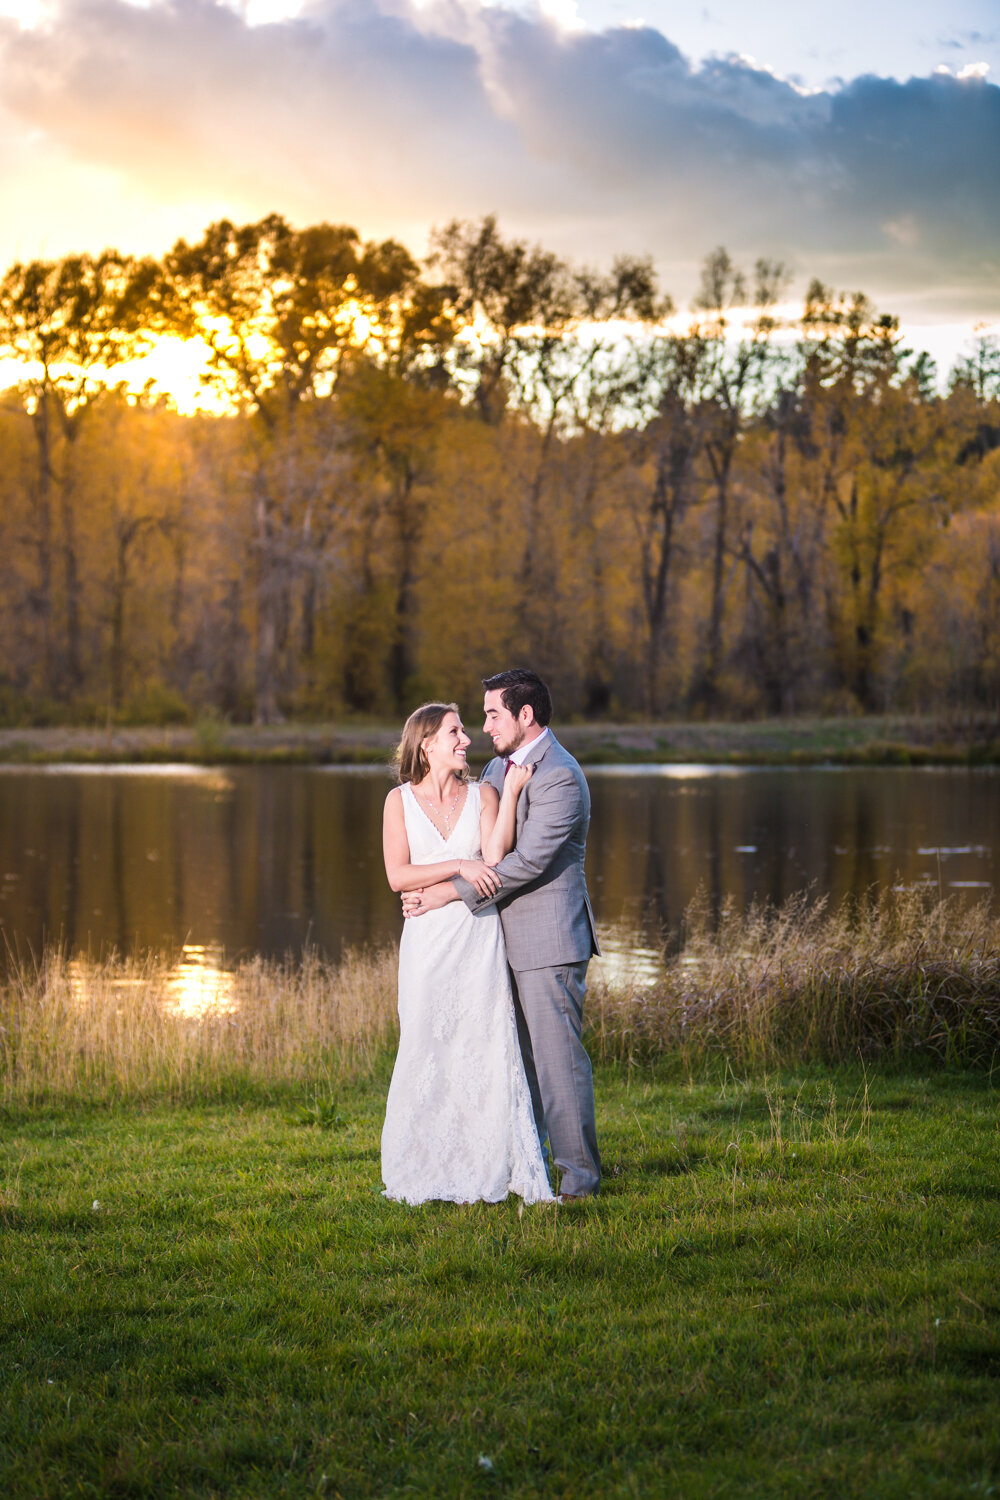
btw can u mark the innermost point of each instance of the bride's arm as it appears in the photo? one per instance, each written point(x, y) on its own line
point(404, 876)
point(497, 819)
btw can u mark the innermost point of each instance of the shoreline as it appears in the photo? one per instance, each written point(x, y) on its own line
point(888, 740)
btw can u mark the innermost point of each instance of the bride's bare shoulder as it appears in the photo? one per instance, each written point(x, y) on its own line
point(488, 793)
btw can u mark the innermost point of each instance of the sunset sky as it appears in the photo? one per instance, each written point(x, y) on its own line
point(859, 142)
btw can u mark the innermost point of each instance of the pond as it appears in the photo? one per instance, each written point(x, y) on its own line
point(266, 860)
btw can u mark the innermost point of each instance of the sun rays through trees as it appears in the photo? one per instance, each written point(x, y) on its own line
point(399, 473)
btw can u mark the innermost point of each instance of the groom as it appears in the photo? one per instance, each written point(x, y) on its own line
point(547, 921)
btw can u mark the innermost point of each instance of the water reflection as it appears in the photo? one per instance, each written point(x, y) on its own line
point(198, 985)
point(626, 959)
point(765, 834)
point(269, 860)
point(80, 974)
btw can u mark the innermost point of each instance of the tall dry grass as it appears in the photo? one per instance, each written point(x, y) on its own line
point(901, 974)
point(898, 976)
point(127, 1028)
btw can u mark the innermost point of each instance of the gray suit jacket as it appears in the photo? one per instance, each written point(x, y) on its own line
point(543, 901)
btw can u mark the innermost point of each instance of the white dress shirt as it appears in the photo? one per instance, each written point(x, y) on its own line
point(528, 751)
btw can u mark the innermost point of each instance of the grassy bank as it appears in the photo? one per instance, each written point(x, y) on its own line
point(788, 1287)
point(905, 976)
point(896, 739)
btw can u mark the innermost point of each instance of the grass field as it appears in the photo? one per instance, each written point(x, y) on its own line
point(790, 1286)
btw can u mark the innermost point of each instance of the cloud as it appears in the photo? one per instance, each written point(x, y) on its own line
point(186, 96)
point(394, 116)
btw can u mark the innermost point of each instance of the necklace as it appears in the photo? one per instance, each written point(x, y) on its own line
point(444, 813)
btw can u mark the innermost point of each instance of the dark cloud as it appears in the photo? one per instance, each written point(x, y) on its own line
point(392, 117)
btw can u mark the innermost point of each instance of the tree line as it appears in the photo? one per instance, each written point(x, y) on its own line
point(416, 473)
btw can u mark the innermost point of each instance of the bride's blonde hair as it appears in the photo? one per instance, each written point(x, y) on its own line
point(423, 724)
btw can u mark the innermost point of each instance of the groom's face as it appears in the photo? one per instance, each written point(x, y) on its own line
point(506, 730)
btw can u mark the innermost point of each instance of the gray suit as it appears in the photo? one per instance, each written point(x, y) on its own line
point(549, 929)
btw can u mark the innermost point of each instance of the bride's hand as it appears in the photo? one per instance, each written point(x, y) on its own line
point(486, 881)
point(518, 777)
point(412, 903)
point(428, 898)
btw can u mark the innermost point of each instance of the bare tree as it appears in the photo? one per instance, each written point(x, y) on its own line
point(543, 339)
point(734, 382)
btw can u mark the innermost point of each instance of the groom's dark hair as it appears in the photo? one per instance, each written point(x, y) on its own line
point(520, 686)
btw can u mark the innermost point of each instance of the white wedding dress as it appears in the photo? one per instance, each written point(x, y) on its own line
point(458, 1120)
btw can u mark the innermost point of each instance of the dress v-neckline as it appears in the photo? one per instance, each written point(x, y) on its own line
point(445, 838)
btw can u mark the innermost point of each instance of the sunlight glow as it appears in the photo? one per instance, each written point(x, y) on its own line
point(175, 368)
point(27, 13)
point(179, 368)
point(198, 986)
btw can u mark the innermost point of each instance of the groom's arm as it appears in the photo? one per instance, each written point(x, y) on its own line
point(553, 813)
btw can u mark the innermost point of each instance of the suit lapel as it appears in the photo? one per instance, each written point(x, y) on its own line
point(524, 801)
point(494, 772)
point(546, 746)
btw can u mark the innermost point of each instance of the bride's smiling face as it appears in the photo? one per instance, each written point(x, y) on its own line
point(445, 750)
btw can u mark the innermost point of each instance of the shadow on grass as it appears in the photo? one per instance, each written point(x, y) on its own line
point(678, 1165)
point(739, 1109)
point(75, 1224)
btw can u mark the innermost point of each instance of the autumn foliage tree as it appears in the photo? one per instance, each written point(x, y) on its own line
point(406, 475)
point(67, 324)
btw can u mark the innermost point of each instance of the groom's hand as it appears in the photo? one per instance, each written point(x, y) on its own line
point(416, 903)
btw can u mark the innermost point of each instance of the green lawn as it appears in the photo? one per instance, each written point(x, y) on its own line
point(790, 1286)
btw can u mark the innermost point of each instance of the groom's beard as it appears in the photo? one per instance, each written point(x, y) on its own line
point(507, 747)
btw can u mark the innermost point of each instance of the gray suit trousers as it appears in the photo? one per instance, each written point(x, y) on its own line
point(549, 1008)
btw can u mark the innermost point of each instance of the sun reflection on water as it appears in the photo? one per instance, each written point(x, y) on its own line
point(199, 986)
point(196, 987)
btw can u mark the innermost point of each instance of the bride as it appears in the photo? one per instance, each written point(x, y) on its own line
point(458, 1120)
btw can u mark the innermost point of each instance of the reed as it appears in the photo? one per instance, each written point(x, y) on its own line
point(899, 976)
point(146, 1026)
